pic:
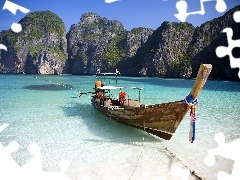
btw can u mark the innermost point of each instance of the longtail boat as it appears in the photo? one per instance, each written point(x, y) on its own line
point(161, 120)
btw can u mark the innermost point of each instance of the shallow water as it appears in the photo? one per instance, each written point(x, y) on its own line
point(67, 127)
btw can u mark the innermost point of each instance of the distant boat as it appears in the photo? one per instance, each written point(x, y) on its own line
point(161, 120)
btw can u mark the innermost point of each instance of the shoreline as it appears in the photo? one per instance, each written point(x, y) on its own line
point(211, 79)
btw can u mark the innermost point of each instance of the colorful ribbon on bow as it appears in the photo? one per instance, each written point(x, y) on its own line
point(192, 103)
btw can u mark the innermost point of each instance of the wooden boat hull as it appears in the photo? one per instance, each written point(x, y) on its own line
point(161, 120)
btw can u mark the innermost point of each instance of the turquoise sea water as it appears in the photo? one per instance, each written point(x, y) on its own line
point(67, 127)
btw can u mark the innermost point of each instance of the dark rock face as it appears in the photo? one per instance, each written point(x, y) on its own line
point(207, 38)
point(97, 42)
point(178, 49)
point(39, 48)
point(92, 42)
point(135, 39)
point(160, 55)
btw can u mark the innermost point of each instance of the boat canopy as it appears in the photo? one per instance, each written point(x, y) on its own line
point(110, 87)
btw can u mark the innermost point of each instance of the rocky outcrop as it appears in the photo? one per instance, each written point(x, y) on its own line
point(135, 39)
point(97, 42)
point(178, 49)
point(94, 42)
point(207, 38)
point(160, 55)
point(39, 48)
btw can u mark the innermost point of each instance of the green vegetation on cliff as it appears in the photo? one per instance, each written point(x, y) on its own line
point(115, 51)
point(8, 38)
point(43, 21)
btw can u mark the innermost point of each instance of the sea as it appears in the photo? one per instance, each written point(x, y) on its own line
point(47, 110)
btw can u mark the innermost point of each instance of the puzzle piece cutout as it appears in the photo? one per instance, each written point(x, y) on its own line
point(228, 150)
point(182, 6)
point(12, 7)
point(16, 27)
point(10, 169)
point(223, 51)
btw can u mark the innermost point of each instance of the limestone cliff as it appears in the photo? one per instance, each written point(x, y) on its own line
point(135, 39)
point(178, 49)
point(97, 42)
point(94, 42)
point(207, 38)
point(160, 55)
point(39, 48)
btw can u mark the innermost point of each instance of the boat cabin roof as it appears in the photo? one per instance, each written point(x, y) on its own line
point(110, 87)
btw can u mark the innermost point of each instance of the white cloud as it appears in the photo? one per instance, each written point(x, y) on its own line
point(111, 1)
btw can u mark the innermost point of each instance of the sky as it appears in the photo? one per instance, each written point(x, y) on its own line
point(132, 13)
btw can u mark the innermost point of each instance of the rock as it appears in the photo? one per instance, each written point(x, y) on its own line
point(160, 55)
point(135, 39)
point(178, 49)
point(207, 38)
point(95, 42)
point(39, 48)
